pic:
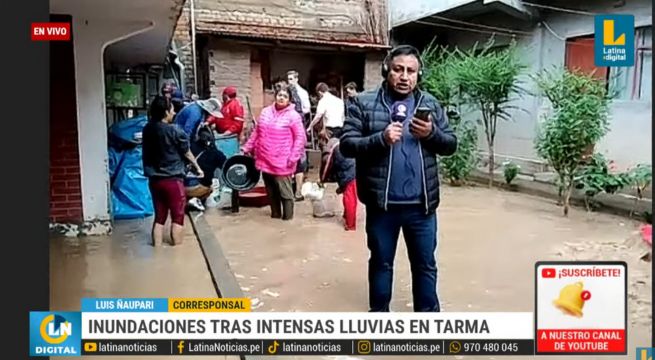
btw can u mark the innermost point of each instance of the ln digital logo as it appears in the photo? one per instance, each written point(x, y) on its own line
point(614, 40)
point(55, 333)
point(644, 353)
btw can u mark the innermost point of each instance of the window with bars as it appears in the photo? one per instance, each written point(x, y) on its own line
point(635, 82)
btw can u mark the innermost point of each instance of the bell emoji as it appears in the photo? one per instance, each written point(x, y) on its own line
point(571, 299)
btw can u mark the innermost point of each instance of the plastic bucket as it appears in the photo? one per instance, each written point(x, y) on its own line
point(228, 145)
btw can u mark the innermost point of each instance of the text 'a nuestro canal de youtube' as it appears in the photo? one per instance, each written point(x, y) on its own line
point(581, 308)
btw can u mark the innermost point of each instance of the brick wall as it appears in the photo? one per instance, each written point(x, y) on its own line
point(65, 185)
point(182, 39)
point(373, 64)
point(229, 65)
point(363, 21)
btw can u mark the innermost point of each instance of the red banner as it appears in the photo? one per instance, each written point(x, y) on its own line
point(581, 341)
point(51, 31)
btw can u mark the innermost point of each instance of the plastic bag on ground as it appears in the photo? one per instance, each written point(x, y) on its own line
point(312, 191)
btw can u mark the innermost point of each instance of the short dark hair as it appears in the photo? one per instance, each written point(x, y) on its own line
point(351, 85)
point(205, 137)
point(278, 81)
point(158, 108)
point(404, 50)
point(286, 89)
point(322, 87)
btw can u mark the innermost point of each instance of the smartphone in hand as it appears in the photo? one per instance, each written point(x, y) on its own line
point(422, 113)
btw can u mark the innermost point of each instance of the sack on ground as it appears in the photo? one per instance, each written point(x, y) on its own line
point(225, 201)
point(213, 199)
point(321, 209)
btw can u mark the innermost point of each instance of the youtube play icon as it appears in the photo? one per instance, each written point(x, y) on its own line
point(548, 273)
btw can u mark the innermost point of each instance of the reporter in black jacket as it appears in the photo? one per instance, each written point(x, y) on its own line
point(397, 175)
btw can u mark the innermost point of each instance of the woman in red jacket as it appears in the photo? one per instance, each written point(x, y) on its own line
point(233, 115)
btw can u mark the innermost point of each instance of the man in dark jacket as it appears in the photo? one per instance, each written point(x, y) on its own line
point(397, 175)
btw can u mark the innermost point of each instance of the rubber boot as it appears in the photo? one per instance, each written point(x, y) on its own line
point(287, 209)
point(276, 209)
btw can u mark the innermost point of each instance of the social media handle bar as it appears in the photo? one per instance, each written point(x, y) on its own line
point(173, 347)
point(443, 347)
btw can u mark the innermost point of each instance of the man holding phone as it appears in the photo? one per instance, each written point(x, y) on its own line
point(395, 134)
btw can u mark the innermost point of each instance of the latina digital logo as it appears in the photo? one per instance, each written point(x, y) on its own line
point(55, 333)
point(614, 43)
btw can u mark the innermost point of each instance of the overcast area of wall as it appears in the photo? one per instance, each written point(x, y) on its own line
point(629, 139)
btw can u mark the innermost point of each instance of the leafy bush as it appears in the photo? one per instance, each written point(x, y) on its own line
point(489, 80)
point(597, 176)
point(510, 171)
point(439, 77)
point(579, 119)
point(457, 167)
point(440, 81)
point(640, 178)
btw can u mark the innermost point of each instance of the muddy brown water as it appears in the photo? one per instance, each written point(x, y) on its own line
point(489, 241)
point(125, 265)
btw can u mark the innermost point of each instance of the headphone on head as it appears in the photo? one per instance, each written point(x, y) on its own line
point(402, 49)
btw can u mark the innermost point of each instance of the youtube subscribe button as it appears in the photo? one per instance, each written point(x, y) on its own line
point(581, 307)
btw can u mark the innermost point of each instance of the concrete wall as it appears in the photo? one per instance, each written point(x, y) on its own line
point(403, 11)
point(91, 38)
point(229, 65)
point(182, 39)
point(629, 141)
point(372, 67)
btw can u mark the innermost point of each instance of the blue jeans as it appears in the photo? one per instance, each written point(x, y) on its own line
point(420, 232)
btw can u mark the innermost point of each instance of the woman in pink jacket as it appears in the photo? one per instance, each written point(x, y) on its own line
point(278, 142)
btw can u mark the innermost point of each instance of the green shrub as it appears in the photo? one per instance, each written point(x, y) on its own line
point(458, 167)
point(510, 171)
point(579, 120)
point(489, 81)
point(440, 81)
point(597, 176)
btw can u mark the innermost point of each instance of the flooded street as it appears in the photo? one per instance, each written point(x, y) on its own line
point(125, 265)
point(489, 241)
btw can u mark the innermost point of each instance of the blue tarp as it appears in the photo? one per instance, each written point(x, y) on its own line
point(228, 145)
point(130, 195)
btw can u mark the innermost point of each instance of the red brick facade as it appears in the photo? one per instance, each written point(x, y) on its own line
point(65, 184)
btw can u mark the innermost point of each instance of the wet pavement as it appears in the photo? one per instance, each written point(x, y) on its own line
point(125, 265)
point(489, 241)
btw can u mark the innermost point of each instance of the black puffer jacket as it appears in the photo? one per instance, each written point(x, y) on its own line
point(366, 118)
